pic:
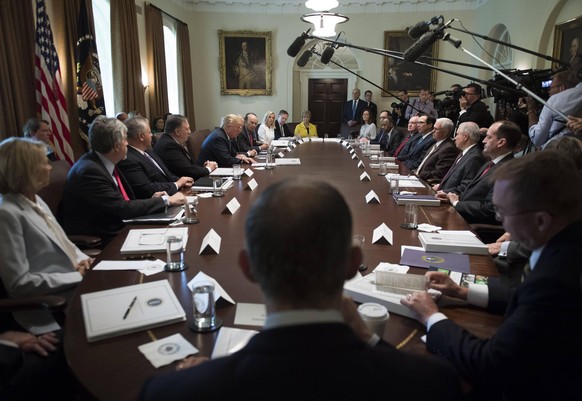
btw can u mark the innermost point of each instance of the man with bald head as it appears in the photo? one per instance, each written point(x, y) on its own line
point(305, 344)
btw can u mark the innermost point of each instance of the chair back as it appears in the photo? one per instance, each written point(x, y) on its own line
point(53, 193)
point(195, 143)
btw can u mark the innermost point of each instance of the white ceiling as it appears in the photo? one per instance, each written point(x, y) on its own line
point(345, 7)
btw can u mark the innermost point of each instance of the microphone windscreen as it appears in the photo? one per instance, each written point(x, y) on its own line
point(420, 46)
point(418, 30)
point(327, 54)
point(297, 44)
point(302, 61)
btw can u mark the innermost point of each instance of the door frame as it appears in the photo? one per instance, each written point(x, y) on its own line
point(304, 77)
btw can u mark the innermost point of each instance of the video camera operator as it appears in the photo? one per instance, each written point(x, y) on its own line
point(399, 109)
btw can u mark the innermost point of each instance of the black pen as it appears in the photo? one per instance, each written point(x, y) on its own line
point(129, 307)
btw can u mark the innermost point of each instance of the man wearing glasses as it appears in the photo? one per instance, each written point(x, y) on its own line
point(472, 108)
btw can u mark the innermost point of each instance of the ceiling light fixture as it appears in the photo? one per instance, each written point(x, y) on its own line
point(321, 5)
point(323, 21)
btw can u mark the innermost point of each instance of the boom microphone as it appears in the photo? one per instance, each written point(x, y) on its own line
point(297, 44)
point(422, 27)
point(327, 54)
point(302, 61)
point(421, 45)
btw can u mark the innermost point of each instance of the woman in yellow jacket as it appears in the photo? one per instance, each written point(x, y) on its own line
point(305, 128)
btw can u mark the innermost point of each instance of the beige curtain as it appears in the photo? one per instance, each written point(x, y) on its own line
point(128, 89)
point(185, 63)
point(156, 62)
point(17, 93)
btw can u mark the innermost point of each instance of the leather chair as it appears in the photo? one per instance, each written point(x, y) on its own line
point(195, 143)
point(53, 194)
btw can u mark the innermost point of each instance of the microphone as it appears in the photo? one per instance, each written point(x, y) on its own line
point(302, 61)
point(327, 54)
point(422, 27)
point(297, 44)
point(421, 45)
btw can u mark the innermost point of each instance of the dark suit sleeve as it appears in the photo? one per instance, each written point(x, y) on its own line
point(478, 211)
point(177, 162)
point(444, 161)
point(142, 184)
point(220, 148)
point(394, 142)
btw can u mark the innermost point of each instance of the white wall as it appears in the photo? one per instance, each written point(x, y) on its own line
point(530, 23)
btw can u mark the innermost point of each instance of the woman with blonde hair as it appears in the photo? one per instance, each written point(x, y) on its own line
point(305, 128)
point(37, 257)
point(267, 129)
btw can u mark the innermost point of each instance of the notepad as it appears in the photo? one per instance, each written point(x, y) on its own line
point(114, 312)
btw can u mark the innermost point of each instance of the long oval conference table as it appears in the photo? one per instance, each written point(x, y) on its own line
point(114, 369)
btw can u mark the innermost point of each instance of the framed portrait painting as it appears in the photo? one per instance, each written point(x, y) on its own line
point(245, 63)
point(400, 74)
point(568, 40)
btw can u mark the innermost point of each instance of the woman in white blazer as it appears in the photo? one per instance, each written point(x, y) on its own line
point(37, 257)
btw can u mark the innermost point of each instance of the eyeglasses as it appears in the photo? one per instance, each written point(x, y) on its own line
point(500, 215)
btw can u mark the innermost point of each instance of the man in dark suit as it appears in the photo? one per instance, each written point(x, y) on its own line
point(219, 144)
point(439, 159)
point(469, 160)
point(281, 127)
point(389, 137)
point(409, 139)
point(370, 105)
point(40, 130)
point(474, 200)
point(421, 145)
point(352, 114)
point(143, 169)
point(306, 351)
point(171, 148)
point(472, 108)
point(248, 142)
point(536, 353)
point(97, 197)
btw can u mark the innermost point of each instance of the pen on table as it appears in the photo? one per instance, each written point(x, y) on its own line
point(129, 307)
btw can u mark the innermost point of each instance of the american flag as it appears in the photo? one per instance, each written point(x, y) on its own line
point(50, 100)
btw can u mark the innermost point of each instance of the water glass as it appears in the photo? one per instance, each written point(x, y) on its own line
point(410, 216)
point(175, 254)
point(217, 187)
point(236, 171)
point(204, 308)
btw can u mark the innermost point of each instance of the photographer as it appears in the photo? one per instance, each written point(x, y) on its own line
point(472, 108)
point(399, 109)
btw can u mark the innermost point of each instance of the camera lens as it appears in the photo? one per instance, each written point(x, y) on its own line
point(394, 105)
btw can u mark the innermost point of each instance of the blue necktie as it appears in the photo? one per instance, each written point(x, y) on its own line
point(354, 104)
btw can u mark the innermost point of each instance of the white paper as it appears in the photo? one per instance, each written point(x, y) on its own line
point(288, 162)
point(128, 264)
point(371, 197)
point(280, 143)
point(167, 350)
point(219, 292)
point(280, 154)
point(151, 239)
point(232, 206)
point(231, 340)
point(360, 164)
point(391, 267)
point(248, 172)
point(382, 232)
point(354, 156)
point(252, 184)
point(398, 283)
point(250, 314)
point(222, 171)
point(211, 242)
point(365, 177)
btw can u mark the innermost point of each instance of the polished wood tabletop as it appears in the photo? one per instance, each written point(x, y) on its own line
point(114, 369)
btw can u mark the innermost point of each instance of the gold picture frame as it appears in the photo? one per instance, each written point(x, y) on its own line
point(245, 63)
point(399, 74)
point(567, 39)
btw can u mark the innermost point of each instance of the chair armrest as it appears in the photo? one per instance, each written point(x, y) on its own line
point(49, 302)
point(85, 241)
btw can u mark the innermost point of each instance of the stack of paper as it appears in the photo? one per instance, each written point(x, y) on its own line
point(453, 241)
point(151, 240)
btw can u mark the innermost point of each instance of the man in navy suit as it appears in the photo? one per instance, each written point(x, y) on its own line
point(421, 145)
point(172, 150)
point(439, 159)
point(306, 351)
point(352, 114)
point(143, 169)
point(474, 200)
point(248, 141)
point(469, 160)
point(281, 127)
point(220, 146)
point(97, 197)
point(389, 137)
point(536, 354)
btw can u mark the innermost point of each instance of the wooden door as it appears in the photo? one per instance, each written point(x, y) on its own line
point(326, 100)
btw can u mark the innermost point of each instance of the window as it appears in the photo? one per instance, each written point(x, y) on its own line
point(170, 45)
point(101, 16)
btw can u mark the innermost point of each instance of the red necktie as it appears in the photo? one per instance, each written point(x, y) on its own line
point(119, 184)
point(402, 145)
point(487, 169)
point(251, 138)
